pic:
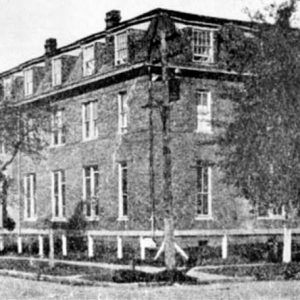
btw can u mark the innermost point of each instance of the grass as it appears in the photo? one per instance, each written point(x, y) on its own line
point(277, 271)
point(95, 273)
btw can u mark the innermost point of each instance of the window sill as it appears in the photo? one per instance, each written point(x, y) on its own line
point(124, 218)
point(57, 219)
point(205, 63)
point(271, 218)
point(86, 140)
point(203, 218)
point(56, 146)
point(204, 131)
point(34, 219)
point(91, 219)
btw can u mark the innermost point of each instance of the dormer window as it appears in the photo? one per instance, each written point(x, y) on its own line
point(7, 87)
point(203, 45)
point(28, 82)
point(88, 60)
point(56, 71)
point(121, 48)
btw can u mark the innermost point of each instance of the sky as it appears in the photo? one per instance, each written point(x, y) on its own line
point(26, 24)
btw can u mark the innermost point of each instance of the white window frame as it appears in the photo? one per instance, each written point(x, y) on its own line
point(123, 194)
point(56, 71)
point(58, 129)
point(88, 60)
point(28, 82)
point(123, 112)
point(203, 52)
point(59, 206)
point(121, 48)
point(93, 202)
point(204, 114)
point(89, 127)
point(204, 167)
point(29, 184)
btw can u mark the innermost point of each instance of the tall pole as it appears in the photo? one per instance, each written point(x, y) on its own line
point(167, 162)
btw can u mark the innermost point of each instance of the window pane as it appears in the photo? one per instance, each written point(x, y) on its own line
point(125, 205)
point(121, 48)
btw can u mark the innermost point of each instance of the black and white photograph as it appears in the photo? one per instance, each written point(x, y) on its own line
point(150, 150)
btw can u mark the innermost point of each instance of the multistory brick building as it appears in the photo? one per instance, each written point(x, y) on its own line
point(97, 161)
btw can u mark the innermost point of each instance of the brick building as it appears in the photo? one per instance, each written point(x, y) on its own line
point(97, 161)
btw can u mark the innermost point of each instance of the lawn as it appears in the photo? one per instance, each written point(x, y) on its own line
point(17, 289)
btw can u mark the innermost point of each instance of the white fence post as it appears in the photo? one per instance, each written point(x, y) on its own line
point(51, 248)
point(20, 249)
point(64, 244)
point(287, 245)
point(224, 246)
point(1, 243)
point(143, 248)
point(120, 248)
point(41, 246)
point(90, 246)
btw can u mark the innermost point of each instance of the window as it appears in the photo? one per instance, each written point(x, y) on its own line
point(203, 111)
point(88, 60)
point(123, 191)
point(56, 71)
point(29, 196)
point(58, 129)
point(123, 112)
point(7, 87)
point(89, 117)
point(203, 45)
point(28, 82)
point(203, 195)
point(121, 48)
point(90, 191)
point(2, 147)
point(58, 194)
point(271, 212)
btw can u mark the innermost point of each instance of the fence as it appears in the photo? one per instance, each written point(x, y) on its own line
point(145, 239)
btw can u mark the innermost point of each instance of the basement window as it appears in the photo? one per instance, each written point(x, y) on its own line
point(89, 60)
point(121, 48)
point(203, 45)
point(271, 212)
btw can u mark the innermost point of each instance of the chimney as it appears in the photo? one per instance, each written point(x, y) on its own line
point(112, 18)
point(50, 46)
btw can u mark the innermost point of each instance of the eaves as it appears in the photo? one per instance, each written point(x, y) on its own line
point(127, 73)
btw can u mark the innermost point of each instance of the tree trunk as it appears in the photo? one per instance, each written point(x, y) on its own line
point(167, 164)
point(3, 199)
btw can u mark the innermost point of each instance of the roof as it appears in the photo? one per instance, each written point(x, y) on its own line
point(187, 18)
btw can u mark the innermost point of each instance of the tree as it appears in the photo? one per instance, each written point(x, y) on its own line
point(22, 130)
point(261, 146)
point(163, 41)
